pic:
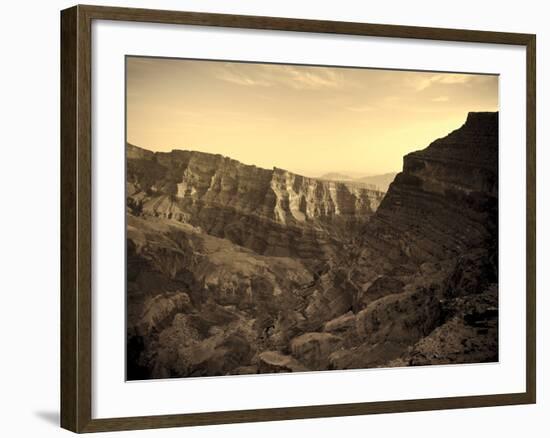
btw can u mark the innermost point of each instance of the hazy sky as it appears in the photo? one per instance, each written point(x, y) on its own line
point(309, 120)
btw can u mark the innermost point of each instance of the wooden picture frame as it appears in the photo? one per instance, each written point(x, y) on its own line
point(76, 218)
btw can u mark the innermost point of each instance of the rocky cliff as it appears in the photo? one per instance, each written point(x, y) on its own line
point(234, 269)
point(270, 211)
point(428, 256)
point(445, 199)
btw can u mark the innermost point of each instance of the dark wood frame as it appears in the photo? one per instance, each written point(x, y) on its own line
point(76, 308)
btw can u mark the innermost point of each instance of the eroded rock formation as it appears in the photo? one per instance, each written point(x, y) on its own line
point(233, 269)
point(273, 212)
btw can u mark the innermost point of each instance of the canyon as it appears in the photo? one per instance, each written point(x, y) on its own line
point(235, 269)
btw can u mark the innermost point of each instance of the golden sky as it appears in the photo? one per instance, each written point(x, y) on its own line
point(309, 120)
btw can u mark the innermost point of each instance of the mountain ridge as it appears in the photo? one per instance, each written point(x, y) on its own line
point(230, 199)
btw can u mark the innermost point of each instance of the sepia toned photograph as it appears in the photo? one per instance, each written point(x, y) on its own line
point(297, 218)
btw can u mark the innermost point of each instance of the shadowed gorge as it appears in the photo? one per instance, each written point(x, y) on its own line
point(236, 269)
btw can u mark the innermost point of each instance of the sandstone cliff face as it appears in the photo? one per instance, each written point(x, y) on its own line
point(234, 269)
point(270, 211)
point(445, 199)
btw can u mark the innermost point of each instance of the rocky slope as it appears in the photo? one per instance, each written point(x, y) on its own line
point(234, 269)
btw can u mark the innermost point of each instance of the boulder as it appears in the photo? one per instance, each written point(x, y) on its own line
point(341, 323)
point(381, 287)
point(402, 318)
point(276, 362)
point(313, 349)
point(159, 311)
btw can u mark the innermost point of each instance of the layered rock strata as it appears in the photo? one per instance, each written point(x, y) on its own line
point(273, 212)
point(444, 202)
point(234, 269)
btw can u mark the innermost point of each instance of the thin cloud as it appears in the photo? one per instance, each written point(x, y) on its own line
point(302, 79)
point(287, 76)
point(441, 99)
point(423, 83)
point(239, 78)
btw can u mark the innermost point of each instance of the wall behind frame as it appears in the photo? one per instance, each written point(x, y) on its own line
point(29, 178)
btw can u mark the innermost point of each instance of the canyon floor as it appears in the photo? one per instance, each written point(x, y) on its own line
point(235, 269)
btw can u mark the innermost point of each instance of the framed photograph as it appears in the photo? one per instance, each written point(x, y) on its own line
point(271, 218)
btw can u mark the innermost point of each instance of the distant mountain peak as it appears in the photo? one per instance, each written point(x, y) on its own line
point(336, 176)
